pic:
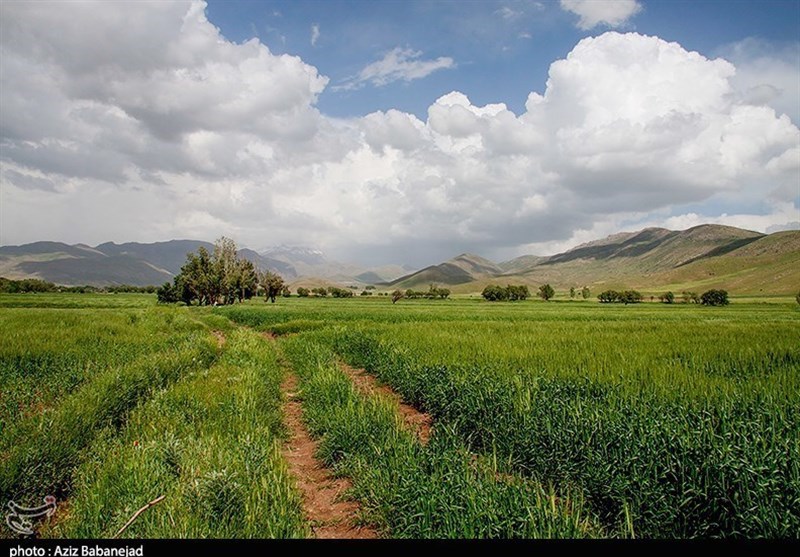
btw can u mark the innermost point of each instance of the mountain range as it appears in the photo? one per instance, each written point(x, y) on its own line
point(702, 257)
point(705, 256)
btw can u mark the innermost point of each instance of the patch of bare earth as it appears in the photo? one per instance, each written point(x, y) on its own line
point(328, 512)
point(418, 422)
point(220, 336)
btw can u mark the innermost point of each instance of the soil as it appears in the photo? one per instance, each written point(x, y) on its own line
point(330, 514)
point(220, 336)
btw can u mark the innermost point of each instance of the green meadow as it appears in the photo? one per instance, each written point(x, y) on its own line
point(551, 419)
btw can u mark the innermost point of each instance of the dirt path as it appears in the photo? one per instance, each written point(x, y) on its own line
point(330, 515)
point(418, 422)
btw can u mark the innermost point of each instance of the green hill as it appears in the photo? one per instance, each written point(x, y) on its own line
point(462, 269)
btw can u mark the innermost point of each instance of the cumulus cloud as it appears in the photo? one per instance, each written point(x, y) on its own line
point(612, 13)
point(399, 64)
point(181, 133)
point(767, 74)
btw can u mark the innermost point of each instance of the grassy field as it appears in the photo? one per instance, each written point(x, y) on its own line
point(671, 421)
point(560, 419)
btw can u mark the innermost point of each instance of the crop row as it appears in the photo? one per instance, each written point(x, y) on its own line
point(439, 490)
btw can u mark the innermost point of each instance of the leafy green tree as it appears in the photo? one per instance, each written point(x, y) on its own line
point(397, 295)
point(585, 293)
point(546, 292)
point(572, 292)
point(198, 279)
point(285, 291)
point(667, 298)
point(303, 292)
point(518, 292)
point(797, 298)
point(714, 298)
point(168, 293)
point(495, 293)
point(630, 297)
point(444, 293)
point(272, 284)
point(609, 297)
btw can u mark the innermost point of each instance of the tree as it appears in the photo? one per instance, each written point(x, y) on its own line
point(303, 292)
point(285, 291)
point(198, 279)
point(444, 293)
point(546, 292)
point(585, 292)
point(797, 298)
point(397, 295)
point(690, 297)
point(572, 292)
point(495, 293)
point(608, 297)
point(272, 284)
point(630, 297)
point(667, 298)
point(715, 298)
point(168, 294)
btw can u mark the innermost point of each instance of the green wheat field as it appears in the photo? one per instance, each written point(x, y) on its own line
point(551, 419)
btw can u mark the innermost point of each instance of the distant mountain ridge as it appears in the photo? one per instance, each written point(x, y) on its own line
point(109, 264)
point(705, 256)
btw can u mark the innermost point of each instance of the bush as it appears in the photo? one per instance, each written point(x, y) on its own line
point(625, 297)
point(630, 297)
point(667, 298)
point(497, 293)
point(168, 294)
point(690, 297)
point(715, 298)
point(303, 292)
point(608, 297)
point(546, 292)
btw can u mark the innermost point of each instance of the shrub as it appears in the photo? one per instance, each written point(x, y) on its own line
point(608, 297)
point(714, 298)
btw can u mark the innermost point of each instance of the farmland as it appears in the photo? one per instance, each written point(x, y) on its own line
point(559, 419)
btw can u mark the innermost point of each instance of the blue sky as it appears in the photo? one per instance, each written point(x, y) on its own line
point(501, 49)
point(396, 132)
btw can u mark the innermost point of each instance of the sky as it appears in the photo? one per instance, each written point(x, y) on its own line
point(396, 132)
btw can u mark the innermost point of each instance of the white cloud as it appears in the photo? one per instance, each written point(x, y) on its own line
point(767, 74)
point(314, 34)
point(507, 13)
point(399, 64)
point(178, 132)
point(612, 13)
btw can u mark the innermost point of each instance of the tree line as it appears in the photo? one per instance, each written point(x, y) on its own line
point(220, 277)
point(26, 286)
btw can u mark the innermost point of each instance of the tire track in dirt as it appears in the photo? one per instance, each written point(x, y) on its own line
point(418, 422)
point(330, 514)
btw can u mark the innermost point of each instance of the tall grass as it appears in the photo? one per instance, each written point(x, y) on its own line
point(679, 421)
point(41, 450)
point(210, 444)
point(703, 442)
point(436, 491)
